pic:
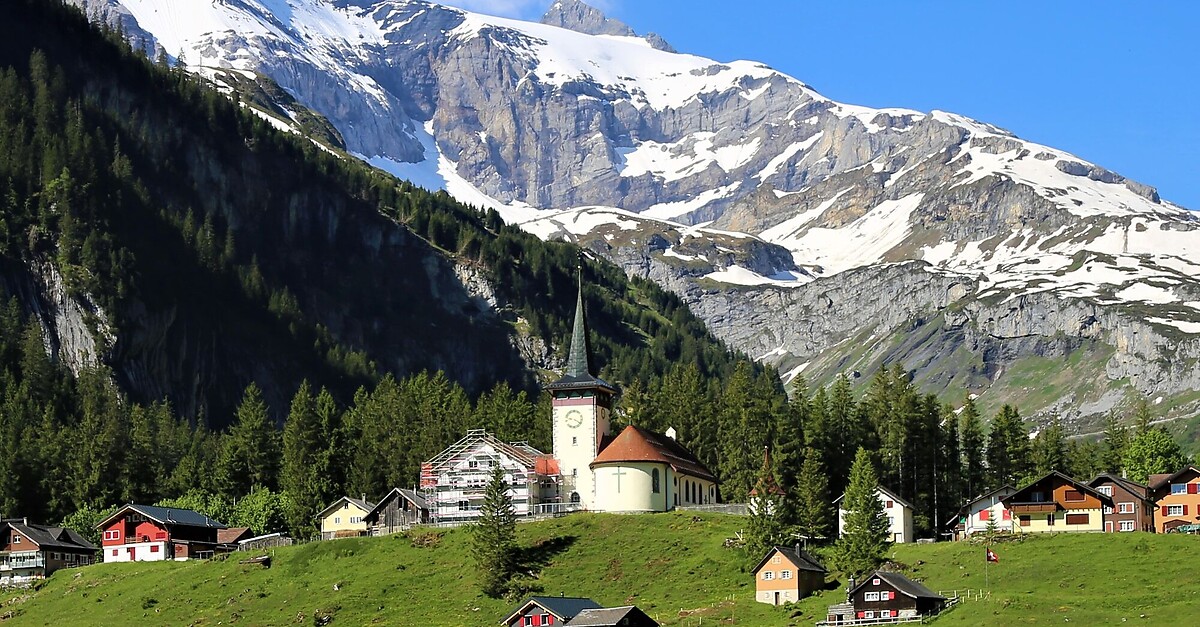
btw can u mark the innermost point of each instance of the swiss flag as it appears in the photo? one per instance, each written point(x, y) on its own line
point(992, 557)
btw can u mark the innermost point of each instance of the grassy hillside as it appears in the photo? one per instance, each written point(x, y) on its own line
point(663, 563)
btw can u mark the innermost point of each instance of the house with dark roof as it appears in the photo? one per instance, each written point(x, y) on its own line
point(786, 575)
point(344, 518)
point(30, 552)
point(397, 511)
point(884, 595)
point(628, 616)
point(1132, 508)
point(1177, 498)
point(145, 533)
point(981, 512)
point(899, 514)
point(1057, 503)
point(539, 611)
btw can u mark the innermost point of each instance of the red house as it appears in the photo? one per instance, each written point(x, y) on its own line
point(144, 533)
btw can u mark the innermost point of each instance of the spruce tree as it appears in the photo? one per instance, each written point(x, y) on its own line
point(1049, 450)
point(864, 540)
point(970, 442)
point(1116, 440)
point(1007, 448)
point(302, 455)
point(814, 513)
point(494, 537)
point(251, 453)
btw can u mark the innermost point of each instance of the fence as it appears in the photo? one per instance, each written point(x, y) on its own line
point(737, 509)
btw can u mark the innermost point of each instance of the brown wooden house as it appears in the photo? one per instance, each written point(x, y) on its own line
point(1057, 503)
point(1132, 508)
point(397, 511)
point(30, 552)
point(786, 575)
point(884, 595)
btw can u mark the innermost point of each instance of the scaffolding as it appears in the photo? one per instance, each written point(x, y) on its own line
point(454, 482)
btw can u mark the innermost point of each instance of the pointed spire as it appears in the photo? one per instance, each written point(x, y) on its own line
point(579, 363)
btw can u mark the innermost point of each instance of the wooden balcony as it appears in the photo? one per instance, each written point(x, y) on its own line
point(1039, 507)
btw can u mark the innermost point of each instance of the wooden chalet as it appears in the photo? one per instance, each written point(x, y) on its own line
point(886, 596)
point(539, 611)
point(786, 575)
point(1132, 508)
point(1177, 498)
point(146, 533)
point(397, 511)
point(30, 552)
point(1057, 503)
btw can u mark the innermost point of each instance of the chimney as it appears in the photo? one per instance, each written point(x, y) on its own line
point(364, 497)
point(671, 433)
point(798, 548)
point(849, 589)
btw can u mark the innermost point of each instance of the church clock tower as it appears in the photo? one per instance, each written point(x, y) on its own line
point(582, 407)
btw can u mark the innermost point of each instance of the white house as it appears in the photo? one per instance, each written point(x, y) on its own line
point(454, 482)
point(979, 512)
point(899, 514)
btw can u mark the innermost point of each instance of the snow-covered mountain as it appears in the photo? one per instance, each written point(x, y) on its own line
point(816, 235)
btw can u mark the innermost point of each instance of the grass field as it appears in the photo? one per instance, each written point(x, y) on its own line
point(674, 566)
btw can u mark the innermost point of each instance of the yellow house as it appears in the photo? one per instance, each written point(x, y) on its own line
point(1056, 503)
point(345, 518)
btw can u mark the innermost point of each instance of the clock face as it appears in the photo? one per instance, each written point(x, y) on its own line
point(574, 418)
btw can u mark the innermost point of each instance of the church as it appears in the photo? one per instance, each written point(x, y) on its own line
point(589, 468)
point(636, 470)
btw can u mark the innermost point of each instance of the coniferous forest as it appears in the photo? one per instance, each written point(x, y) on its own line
point(270, 336)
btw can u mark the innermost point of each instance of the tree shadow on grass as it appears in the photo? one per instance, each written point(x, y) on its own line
point(533, 558)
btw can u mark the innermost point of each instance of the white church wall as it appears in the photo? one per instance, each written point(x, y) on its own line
point(629, 487)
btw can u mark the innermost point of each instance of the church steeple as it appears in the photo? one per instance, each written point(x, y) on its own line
point(579, 363)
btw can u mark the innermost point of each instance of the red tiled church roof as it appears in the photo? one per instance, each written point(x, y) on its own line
point(635, 444)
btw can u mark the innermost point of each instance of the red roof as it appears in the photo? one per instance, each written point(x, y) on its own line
point(635, 444)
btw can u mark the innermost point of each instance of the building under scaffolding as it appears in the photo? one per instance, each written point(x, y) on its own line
point(454, 482)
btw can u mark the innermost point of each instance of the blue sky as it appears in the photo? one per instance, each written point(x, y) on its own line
point(1116, 83)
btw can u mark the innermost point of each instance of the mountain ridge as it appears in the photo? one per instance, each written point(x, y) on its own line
point(609, 142)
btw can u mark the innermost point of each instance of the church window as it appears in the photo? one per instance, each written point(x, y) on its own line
point(574, 441)
point(574, 472)
point(654, 481)
point(574, 497)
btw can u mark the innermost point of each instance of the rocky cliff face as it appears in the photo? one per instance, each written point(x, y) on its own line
point(797, 226)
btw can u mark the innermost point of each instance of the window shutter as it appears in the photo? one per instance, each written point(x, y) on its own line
point(1185, 510)
point(891, 595)
point(1164, 510)
point(1191, 488)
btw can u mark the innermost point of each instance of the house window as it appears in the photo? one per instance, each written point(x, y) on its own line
point(528, 621)
point(114, 552)
point(885, 613)
point(654, 487)
point(875, 582)
point(1037, 497)
point(337, 520)
point(1023, 521)
point(1077, 519)
point(871, 596)
point(1073, 495)
point(768, 575)
point(1106, 490)
point(890, 505)
point(474, 464)
point(1108, 510)
point(354, 520)
point(1178, 488)
point(16, 539)
point(546, 620)
point(154, 548)
point(464, 506)
point(1127, 525)
point(868, 614)
point(985, 515)
point(1174, 510)
point(785, 574)
point(1126, 508)
point(1049, 520)
point(891, 521)
point(776, 559)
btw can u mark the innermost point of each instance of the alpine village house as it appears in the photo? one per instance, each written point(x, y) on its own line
point(30, 552)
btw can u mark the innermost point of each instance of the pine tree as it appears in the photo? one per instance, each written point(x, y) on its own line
point(302, 451)
point(765, 528)
point(1116, 440)
point(970, 442)
point(864, 540)
point(1007, 448)
point(494, 537)
point(814, 514)
point(1049, 449)
point(250, 456)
